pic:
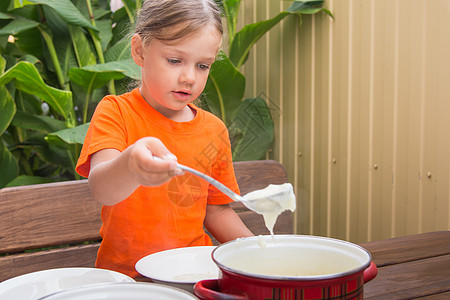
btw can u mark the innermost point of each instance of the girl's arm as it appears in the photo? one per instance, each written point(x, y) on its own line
point(115, 175)
point(224, 223)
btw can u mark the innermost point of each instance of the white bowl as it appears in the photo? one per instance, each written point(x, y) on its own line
point(35, 285)
point(180, 267)
point(121, 291)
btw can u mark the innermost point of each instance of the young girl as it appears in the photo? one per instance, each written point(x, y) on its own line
point(150, 205)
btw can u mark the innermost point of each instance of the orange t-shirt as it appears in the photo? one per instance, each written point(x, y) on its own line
point(169, 216)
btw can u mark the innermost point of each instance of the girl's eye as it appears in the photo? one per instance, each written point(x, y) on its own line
point(173, 61)
point(203, 67)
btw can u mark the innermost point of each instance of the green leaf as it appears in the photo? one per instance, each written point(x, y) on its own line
point(79, 94)
point(130, 8)
point(69, 139)
point(306, 6)
point(2, 65)
point(29, 180)
point(122, 25)
point(18, 25)
point(66, 56)
point(58, 156)
point(248, 36)
point(30, 42)
point(105, 34)
point(30, 81)
point(4, 16)
point(93, 79)
point(68, 136)
point(224, 89)
point(120, 51)
point(251, 131)
point(96, 76)
point(82, 49)
point(56, 23)
point(251, 33)
point(7, 109)
point(62, 43)
point(231, 8)
point(8, 165)
point(14, 4)
point(100, 12)
point(35, 122)
point(28, 103)
point(7, 104)
point(67, 11)
point(31, 59)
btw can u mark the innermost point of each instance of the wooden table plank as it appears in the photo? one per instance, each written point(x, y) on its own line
point(409, 248)
point(441, 296)
point(418, 278)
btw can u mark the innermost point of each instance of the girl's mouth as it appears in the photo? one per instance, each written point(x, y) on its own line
point(182, 95)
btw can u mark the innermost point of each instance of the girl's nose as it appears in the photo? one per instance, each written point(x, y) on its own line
point(188, 75)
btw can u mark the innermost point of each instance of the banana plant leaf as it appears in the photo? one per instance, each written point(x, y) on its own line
point(96, 76)
point(105, 34)
point(66, 55)
point(59, 30)
point(17, 26)
point(246, 38)
point(28, 180)
point(306, 6)
point(69, 139)
point(30, 42)
point(252, 130)
point(35, 122)
point(30, 81)
point(119, 51)
point(8, 165)
point(82, 50)
point(66, 9)
point(130, 8)
point(4, 16)
point(7, 109)
point(28, 103)
point(70, 136)
point(62, 157)
point(7, 104)
point(231, 8)
point(224, 89)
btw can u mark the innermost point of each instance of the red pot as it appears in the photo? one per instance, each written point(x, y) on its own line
point(288, 267)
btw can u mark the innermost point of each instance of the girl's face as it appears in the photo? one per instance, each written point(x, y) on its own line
point(175, 74)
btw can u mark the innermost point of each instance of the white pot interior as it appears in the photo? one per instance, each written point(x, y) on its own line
point(291, 257)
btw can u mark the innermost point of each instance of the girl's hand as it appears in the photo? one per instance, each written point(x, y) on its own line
point(115, 175)
point(144, 168)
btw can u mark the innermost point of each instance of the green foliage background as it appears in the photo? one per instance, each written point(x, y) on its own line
point(60, 57)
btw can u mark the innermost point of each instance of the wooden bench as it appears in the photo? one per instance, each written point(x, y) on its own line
point(63, 217)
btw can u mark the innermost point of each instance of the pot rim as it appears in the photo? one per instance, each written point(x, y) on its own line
point(353, 271)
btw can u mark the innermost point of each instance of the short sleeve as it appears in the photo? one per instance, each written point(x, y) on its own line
point(106, 131)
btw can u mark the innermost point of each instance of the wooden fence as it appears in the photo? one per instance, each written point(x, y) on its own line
point(361, 106)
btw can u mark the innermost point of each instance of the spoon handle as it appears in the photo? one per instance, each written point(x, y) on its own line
point(220, 186)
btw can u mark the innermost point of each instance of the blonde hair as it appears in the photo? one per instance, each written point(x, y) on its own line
point(171, 20)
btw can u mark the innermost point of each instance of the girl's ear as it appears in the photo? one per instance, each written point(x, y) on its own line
point(137, 49)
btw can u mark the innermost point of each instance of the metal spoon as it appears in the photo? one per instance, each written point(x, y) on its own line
point(261, 204)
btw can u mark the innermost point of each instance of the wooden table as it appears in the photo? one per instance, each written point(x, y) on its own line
point(411, 267)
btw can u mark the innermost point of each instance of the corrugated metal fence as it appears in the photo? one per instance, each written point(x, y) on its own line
point(361, 107)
